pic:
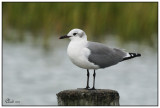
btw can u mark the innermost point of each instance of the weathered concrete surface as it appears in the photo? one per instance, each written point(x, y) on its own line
point(83, 97)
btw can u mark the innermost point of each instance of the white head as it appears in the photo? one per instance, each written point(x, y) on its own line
point(75, 34)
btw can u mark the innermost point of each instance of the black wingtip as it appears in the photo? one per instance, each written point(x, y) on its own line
point(132, 55)
point(138, 54)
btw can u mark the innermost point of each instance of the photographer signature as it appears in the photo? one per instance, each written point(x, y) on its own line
point(8, 100)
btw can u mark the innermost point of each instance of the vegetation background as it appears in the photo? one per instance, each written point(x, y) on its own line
point(128, 21)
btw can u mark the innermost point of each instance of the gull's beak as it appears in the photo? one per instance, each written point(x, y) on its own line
point(65, 36)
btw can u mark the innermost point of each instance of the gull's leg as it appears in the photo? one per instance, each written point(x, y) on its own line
point(94, 75)
point(87, 87)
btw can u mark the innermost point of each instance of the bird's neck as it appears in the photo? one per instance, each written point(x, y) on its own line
point(76, 44)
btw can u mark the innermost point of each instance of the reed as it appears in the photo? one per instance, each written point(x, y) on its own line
point(129, 21)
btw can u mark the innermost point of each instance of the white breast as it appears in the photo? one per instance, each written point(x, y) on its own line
point(78, 54)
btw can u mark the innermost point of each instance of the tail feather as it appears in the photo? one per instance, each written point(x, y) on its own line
point(132, 55)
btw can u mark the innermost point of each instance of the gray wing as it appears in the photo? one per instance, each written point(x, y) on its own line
point(104, 56)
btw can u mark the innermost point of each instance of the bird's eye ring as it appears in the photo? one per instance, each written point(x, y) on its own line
point(74, 34)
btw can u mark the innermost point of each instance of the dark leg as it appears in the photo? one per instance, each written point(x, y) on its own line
point(94, 75)
point(87, 87)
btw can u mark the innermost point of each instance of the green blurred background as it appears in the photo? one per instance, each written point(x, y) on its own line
point(128, 21)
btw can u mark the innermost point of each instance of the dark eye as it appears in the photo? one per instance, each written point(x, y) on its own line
point(74, 34)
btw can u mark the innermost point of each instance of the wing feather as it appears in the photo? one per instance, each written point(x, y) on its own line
point(104, 56)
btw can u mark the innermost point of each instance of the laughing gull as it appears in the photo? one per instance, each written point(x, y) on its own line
point(93, 55)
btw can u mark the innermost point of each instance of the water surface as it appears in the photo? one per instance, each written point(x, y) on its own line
point(33, 75)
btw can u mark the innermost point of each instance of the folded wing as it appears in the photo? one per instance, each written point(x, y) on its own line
point(104, 56)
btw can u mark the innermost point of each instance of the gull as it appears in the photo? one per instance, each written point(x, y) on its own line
point(92, 55)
